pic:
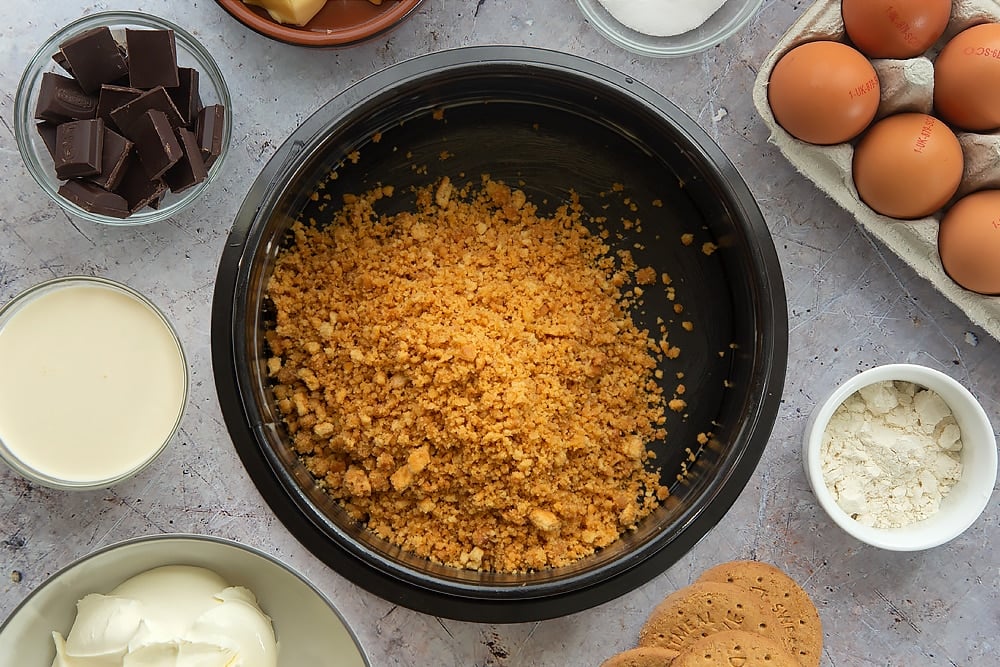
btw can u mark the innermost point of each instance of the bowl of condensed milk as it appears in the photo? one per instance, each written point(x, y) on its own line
point(94, 382)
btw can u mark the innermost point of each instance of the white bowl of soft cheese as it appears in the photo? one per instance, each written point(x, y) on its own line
point(902, 457)
point(182, 601)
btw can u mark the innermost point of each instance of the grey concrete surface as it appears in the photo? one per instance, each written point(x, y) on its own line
point(851, 305)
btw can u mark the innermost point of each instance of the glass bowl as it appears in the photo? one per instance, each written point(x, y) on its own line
point(95, 383)
point(309, 628)
point(190, 53)
point(729, 19)
point(966, 500)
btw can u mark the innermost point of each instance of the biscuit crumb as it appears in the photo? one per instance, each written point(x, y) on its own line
point(645, 276)
point(446, 373)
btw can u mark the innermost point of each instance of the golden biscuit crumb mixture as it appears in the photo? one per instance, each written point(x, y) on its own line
point(464, 377)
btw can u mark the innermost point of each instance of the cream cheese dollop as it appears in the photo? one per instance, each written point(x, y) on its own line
point(170, 616)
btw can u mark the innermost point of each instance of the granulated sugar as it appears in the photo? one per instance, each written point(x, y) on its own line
point(890, 454)
point(662, 18)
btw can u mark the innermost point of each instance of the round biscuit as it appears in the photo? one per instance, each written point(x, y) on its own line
point(797, 615)
point(704, 608)
point(735, 647)
point(643, 656)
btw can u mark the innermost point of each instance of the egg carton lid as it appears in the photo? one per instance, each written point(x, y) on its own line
point(829, 167)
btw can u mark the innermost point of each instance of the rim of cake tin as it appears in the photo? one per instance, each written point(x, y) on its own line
point(24, 298)
point(930, 378)
point(675, 46)
point(497, 603)
point(184, 537)
point(34, 157)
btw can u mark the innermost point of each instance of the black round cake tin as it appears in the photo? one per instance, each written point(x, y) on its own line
point(551, 123)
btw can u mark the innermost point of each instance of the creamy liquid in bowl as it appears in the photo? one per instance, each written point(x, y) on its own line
point(93, 382)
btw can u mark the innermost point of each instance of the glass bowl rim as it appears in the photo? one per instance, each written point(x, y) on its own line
point(673, 46)
point(27, 296)
point(27, 91)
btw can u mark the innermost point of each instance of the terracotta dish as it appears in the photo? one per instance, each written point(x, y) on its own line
point(339, 23)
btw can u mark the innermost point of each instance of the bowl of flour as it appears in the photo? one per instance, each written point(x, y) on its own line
point(902, 457)
point(668, 28)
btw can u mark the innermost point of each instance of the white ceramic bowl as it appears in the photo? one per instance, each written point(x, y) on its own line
point(967, 499)
point(309, 629)
point(112, 407)
point(722, 25)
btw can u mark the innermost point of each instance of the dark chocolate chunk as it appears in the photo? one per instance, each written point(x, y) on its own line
point(186, 96)
point(156, 144)
point(110, 98)
point(95, 58)
point(152, 58)
point(94, 198)
point(190, 169)
point(47, 131)
point(130, 112)
point(61, 98)
point(116, 152)
point(79, 148)
point(138, 189)
point(60, 59)
point(208, 130)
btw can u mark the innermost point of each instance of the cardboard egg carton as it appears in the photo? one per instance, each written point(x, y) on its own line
point(906, 85)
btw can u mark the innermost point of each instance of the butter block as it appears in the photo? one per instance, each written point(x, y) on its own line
point(293, 12)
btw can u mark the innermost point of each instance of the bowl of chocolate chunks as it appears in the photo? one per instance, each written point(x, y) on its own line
point(122, 118)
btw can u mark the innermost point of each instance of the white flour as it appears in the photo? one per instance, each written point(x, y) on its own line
point(662, 18)
point(891, 453)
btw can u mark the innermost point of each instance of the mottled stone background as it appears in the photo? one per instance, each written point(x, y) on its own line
point(851, 305)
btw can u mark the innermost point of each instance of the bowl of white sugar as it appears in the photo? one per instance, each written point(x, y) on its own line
point(668, 28)
point(902, 457)
point(94, 383)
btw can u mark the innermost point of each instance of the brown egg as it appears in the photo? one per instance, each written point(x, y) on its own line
point(967, 79)
point(894, 29)
point(823, 92)
point(969, 242)
point(907, 165)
